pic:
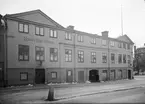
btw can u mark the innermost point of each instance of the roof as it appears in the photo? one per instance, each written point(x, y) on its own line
point(123, 37)
point(32, 12)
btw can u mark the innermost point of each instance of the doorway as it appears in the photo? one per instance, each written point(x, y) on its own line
point(129, 74)
point(93, 76)
point(69, 76)
point(80, 76)
point(39, 76)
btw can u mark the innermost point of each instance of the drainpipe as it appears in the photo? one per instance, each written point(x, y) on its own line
point(74, 58)
point(108, 59)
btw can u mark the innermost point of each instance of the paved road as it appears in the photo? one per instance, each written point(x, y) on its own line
point(127, 96)
point(39, 95)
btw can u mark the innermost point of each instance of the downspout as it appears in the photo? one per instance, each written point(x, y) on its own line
point(74, 57)
point(108, 60)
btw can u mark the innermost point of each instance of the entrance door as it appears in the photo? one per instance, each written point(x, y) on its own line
point(112, 75)
point(129, 74)
point(93, 76)
point(69, 76)
point(80, 76)
point(120, 74)
point(104, 75)
point(39, 76)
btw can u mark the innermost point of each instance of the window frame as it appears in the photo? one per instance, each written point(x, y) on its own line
point(68, 36)
point(55, 75)
point(53, 54)
point(26, 76)
point(54, 32)
point(93, 55)
point(23, 31)
point(112, 43)
point(104, 55)
point(80, 38)
point(104, 42)
point(113, 61)
point(80, 56)
point(68, 55)
point(93, 40)
point(39, 34)
point(23, 52)
point(39, 53)
point(120, 58)
point(124, 60)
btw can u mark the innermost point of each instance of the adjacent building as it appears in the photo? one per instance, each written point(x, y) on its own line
point(35, 49)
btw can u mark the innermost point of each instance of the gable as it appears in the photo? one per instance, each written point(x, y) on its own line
point(125, 38)
point(37, 16)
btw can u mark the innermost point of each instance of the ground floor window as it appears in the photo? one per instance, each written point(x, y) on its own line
point(54, 75)
point(23, 76)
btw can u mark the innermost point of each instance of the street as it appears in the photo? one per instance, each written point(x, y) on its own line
point(126, 96)
point(104, 92)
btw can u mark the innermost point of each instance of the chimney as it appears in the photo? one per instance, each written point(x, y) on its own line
point(70, 27)
point(135, 49)
point(105, 34)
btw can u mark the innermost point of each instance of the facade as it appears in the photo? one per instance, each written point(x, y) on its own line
point(39, 50)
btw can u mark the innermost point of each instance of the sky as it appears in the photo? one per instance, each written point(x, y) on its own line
point(92, 16)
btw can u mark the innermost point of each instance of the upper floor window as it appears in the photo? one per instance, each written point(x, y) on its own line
point(39, 53)
point(68, 36)
point(129, 59)
point(128, 46)
point(93, 41)
point(112, 58)
point(119, 58)
point(104, 58)
point(104, 42)
point(53, 54)
point(124, 45)
point(23, 53)
point(53, 33)
point(119, 45)
point(112, 43)
point(81, 56)
point(23, 27)
point(124, 58)
point(39, 31)
point(93, 57)
point(80, 38)
point(68, 55)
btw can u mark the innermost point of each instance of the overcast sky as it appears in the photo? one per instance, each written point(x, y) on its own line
point(92, 16)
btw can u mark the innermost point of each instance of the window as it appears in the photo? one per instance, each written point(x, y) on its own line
point(53, 75)
point(24, 76)
point(129, 59)
point(119, 45)
point(39, 31)
point(39, 53)
point(120, 58)
point(68, 55)
point(124, 45)
point(53, 54)
point(104, 42)
point(112, 58)
point(93, 57)
point(81, 56)
point(23, 53)
point(104, 58)
point(68, 36)
point(80, 38)
point(53, 33)
point(124, 58)
point(128, 46)
point(112, 43)
point(93, 41)
point(23, 28)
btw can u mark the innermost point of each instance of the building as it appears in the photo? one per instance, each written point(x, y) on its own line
point(139, 59)
point(36, 49)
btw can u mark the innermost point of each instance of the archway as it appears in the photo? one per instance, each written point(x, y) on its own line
point(93, 76)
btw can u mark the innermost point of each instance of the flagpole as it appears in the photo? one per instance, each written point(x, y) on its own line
point(121, 21)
